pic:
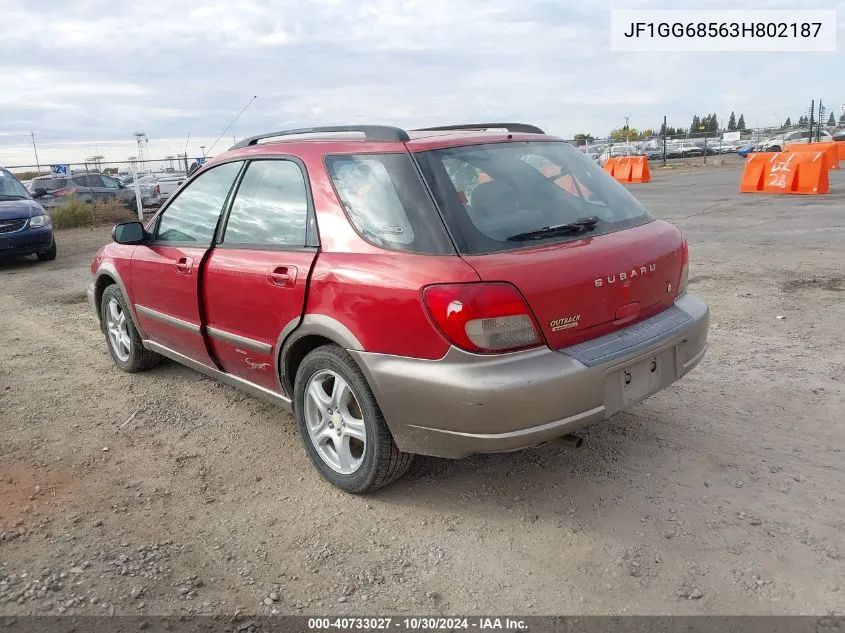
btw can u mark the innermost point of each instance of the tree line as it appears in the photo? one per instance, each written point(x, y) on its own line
point(707, 124)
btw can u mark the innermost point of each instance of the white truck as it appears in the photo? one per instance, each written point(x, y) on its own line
point(166, 185)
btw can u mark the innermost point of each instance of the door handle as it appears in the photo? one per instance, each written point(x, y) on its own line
point(282, 276)
point(184, 265)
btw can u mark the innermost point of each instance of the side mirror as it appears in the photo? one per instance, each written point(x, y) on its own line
point(129, 233)
point(39, 193)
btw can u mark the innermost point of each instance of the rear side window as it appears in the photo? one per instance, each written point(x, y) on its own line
point(492, 194)
point(49, 184)
point(387, 202)
point(270, 208)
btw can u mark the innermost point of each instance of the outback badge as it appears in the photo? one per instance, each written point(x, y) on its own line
point(565, 323)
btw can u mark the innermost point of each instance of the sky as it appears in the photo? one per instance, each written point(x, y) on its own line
point(85, 75)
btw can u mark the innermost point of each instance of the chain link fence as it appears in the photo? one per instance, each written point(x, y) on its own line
point(701, 148)
point(139, 186)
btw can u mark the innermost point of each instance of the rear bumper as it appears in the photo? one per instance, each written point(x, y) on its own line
point(26, 242)
point(467, 403)
point(51, 202)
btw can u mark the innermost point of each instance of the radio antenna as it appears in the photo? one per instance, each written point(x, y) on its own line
point(231, 123)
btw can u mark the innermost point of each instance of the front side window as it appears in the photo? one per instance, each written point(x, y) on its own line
point(386, 202)
point(193, 214)
point(492, 195)
point(110, 183)
point(270, 208)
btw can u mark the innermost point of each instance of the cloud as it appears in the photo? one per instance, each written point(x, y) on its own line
point(104, 70)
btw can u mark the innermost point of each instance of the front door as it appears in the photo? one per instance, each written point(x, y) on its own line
point(165, 272)
point(255, 280)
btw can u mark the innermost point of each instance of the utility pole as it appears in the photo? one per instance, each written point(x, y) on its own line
point(812, 117)
point(34, 149)
point(819, 125)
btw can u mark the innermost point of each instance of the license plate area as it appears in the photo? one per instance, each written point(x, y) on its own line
point(634, 383)
point(640, 381)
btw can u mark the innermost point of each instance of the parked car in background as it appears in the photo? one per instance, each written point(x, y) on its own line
point(839, 136)
point(86, 187)
point(684, 150)
point(623, 149)
point(590, 153)
point(402, 291)
point(25, 227)
point(745, 150)
point(778, 142)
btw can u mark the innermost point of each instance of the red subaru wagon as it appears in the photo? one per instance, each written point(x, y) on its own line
point(446, 291)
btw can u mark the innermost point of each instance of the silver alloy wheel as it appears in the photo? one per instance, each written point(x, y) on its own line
point(117, 332)
point(335, 422)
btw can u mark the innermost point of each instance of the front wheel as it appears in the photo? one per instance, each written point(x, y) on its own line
point(48, 255)
point(341, 424)
point(125, 346)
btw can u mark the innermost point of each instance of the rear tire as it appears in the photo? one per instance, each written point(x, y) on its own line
point(48, 255)
point(122, 338)
point(335, 407)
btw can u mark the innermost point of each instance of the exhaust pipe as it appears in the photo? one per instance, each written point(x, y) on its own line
point(570, 441)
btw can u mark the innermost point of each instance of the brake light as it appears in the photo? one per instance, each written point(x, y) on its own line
point(482, 317)
point(682, 285)
point(65, 191)
point(157, 190)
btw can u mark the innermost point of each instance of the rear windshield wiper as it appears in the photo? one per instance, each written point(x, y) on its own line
point(581, 225)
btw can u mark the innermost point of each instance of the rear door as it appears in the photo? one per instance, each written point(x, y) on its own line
point(256, 278)
point(165, 272)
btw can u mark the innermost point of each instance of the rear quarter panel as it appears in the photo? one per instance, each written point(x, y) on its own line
point(375, 293)
point(378, 298)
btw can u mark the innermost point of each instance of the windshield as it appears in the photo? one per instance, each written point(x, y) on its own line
point(491, 192)
point(10, 187)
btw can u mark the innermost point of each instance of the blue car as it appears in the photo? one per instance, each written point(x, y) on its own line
point(746, 150)
point(25, 228)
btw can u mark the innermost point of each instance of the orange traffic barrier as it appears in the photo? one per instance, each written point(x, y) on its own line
point(628, 168)
point(756, 168)
point(840, 146)
point(786, 172)
point(829, 149)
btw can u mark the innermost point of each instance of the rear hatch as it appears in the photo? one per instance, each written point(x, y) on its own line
point(585, 254)
point(589, 287)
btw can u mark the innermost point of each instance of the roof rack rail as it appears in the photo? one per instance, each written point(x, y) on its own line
point(383, 133)
point(523, 128)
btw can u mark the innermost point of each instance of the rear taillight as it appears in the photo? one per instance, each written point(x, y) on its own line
point(157, 191)
point(482, 317)
point(65, 191)
point(682, 285)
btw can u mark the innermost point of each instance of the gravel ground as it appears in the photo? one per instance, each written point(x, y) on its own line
point(723, 494)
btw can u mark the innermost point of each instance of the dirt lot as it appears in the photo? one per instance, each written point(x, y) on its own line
point(723, 494)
